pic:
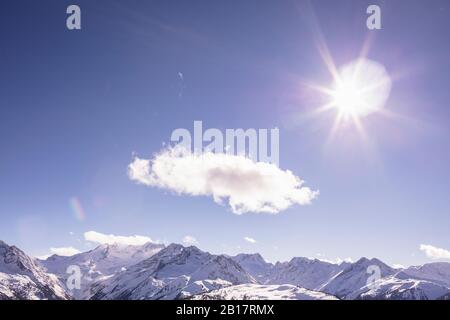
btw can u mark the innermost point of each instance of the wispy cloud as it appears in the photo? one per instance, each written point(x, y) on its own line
point(248, 186)
point(64, 251)
point(337, 260)
point(101, 238)
point(251, 240)
point(435, 252)
point(190, 240)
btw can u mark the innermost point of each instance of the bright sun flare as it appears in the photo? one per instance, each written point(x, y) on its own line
point(361, 87)
point(348, 98)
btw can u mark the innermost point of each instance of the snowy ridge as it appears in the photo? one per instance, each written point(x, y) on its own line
point(99, 263)
point(22, 278)
point(255, 265)
point(393, 288)
point(153, 271)
point(174, 272)
point(308, 273)
point(354, 277)
point(263, 292)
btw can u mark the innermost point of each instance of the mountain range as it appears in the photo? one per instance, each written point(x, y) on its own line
point(154, 271)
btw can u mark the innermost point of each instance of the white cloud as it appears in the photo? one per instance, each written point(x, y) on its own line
point(338, 260)
point(43, 257)
point(102, 238)
point(435, 252)
point(190, 240)
point(65, 251)
point(398, 266)
point(247, 186)
point(248, 239)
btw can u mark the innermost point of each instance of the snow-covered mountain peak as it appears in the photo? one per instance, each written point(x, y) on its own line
point(13, 260)
point(435, 271)
point(253, 257)
point(298, 261)
point(102, 261)
point(255, 265)
point(364, 263)
point(154, 271)
point(177, 249)
point(22, 278)
point(355, 276)
point(175, 271)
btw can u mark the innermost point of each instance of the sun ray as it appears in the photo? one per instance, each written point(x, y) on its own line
point(334, 128)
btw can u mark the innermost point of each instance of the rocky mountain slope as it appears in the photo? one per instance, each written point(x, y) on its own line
point(22, 278)
point(153, 271)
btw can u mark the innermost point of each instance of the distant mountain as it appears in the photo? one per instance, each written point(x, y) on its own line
point(307, 273)
point(438, 272)
point(428, 282)
point(263, 292)
point(153, 271)
point(103, 261)
point(22, 278)
point(395, 288)
point(353, 277)
point(255, 265)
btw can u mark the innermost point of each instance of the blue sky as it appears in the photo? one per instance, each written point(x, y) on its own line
point(76, 105)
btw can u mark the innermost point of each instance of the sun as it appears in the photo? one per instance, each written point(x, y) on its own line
point(348, 99)
point(360, 88)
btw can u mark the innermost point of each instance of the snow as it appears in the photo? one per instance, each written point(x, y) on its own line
point(263, 292)
point(393, 288)
point(255, 265)
point(437, 271)
point(303, 272)
point(354, 277)
point(22, 278)
point(97, 264)
point(173, 272)
point(153, 271)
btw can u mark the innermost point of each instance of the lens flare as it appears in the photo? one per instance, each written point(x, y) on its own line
point(77, 208)
point(361, 88)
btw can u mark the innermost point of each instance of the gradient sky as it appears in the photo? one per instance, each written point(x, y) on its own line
point(75, 105)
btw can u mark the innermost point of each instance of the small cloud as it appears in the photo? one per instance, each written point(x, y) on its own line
point(398, 266)
point(338, 260)
point(248, 239)
point(246, 185)
point(43, 257)
point(181, 76)
point(102, 238)
point(347, 260)
point(65, 251)
point(189, 240)
point(435, 253)
point(71, 233)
